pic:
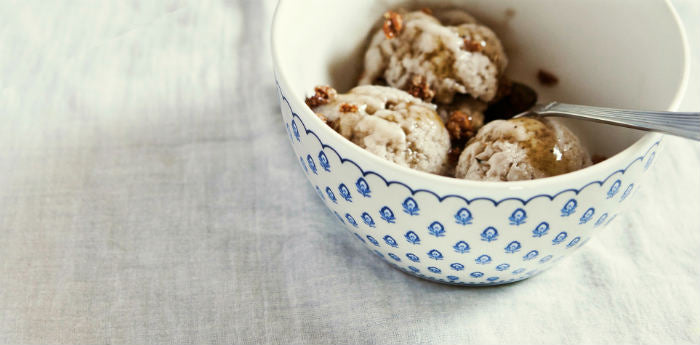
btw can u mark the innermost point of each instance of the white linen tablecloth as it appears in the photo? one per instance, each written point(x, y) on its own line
point(148, 195)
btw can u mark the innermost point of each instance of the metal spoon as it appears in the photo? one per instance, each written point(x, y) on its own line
point(682, 124)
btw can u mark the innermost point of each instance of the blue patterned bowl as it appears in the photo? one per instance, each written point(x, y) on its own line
point(472, 232)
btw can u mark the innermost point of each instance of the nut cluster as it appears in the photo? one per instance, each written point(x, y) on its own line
point(460, 125)
point(393, 24)
point(419, 88)
point(322, 95)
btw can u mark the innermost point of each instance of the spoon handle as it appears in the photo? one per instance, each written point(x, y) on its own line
point(682, 124)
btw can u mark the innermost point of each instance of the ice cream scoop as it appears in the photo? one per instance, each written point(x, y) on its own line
point(414, 51)
point(388, 122)
point(521, 149)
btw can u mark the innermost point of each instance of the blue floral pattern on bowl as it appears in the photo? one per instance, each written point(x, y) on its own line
point(456, 239)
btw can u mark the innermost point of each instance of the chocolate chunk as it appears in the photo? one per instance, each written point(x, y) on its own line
point(519, 98)
point(454, 152)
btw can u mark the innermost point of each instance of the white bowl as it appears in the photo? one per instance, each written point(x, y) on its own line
point(606, 53)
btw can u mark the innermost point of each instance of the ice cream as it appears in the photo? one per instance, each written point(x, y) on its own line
point(414, 51)
point(521, 149)
point(433, 97)
point(388, 122)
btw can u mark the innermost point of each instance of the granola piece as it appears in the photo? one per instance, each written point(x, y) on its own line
point(460, 125)
point(474, 46)
point(322, 95)
point(419, 88)
point(463, 117)
point(393, 23)
point(348, 108)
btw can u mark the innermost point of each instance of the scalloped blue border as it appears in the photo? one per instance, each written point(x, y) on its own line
point(442, 198)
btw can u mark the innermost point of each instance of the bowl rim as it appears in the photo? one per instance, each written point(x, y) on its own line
point(602, 168)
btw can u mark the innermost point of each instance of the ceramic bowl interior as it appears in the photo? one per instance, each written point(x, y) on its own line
point(472, 232)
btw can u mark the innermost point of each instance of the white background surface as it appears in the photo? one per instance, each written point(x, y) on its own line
point(148, 195)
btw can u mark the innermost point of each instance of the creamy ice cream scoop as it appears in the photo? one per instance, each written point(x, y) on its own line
point(418, 53)
point(521, 149)
point(388, 122)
